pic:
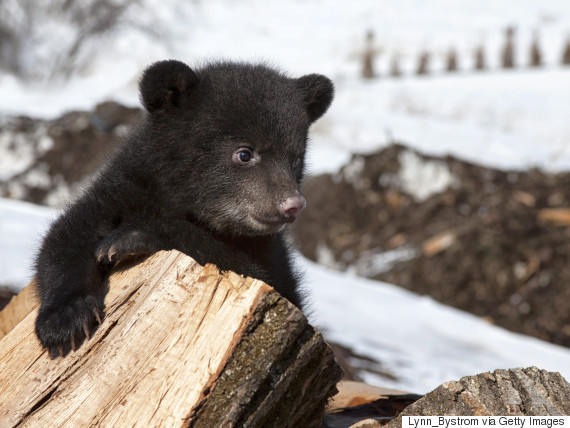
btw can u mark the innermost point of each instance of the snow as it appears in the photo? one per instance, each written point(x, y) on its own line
point(21, 228)
point(496, 118)
point(507, 119)
point(420, 340)
point(422, 178)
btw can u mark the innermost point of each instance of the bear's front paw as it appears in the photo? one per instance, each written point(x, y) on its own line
point(63, 327)
point(122, 246)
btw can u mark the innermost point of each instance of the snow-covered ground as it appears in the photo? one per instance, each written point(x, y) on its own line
point(421, 341)
point(514, 119)
point(496, 117)
point(510, 120)
point(21, 228)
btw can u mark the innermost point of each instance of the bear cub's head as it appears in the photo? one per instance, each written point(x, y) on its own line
point(232, 139)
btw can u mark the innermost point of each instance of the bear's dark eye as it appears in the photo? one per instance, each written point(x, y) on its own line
point(244, 156)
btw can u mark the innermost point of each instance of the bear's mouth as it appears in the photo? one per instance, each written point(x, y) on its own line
point(270, 220)
point(275, 223)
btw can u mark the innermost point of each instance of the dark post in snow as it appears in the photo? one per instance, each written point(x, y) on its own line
point(423, 64)
point(480, 63)
point(535, 52)
point(451, 60)
point(395, 70)
point(508, 52)
point(368, 57)
point(566, 53)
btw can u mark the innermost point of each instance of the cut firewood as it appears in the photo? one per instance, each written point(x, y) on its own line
point(514, 392)
point(17, 309)
point(358, 404)
point(180, 345)
point(524, 198)
point(438, 243)
point(556, 216)
point(351, 393)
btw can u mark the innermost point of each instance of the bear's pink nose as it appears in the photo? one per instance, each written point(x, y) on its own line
point(291, 206)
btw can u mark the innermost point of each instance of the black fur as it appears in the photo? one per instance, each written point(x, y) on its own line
point(214, 171)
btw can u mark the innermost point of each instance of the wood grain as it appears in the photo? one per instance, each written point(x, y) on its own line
point(171, 327)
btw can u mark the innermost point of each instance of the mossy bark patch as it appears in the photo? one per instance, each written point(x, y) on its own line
point(281, 374)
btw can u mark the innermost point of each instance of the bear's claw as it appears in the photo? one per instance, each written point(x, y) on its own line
point(62, 328)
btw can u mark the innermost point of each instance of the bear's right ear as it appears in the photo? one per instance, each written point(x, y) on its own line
point(164, 85)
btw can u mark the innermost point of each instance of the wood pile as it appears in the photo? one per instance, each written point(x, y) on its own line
point(185, 345)
point(180, 345)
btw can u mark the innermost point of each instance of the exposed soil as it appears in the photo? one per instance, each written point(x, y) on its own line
point(61, 153)
point(493, 243)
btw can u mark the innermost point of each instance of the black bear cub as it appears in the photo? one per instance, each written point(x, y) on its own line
point(214, 171)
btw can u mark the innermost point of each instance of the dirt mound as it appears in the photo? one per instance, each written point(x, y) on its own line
point(494, 243)
point(45, 161)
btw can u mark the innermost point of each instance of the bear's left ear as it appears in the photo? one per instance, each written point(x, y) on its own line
point(318, 92)
point(165, 84)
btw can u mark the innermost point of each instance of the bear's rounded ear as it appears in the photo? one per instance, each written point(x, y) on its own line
point(164, 85)
point(318, 92)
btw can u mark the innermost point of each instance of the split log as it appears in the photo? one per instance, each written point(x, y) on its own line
point(514, 392)
point(555, 216)
point(358, 404)
point(180, 345)
point(17, 309)
point(438, 243)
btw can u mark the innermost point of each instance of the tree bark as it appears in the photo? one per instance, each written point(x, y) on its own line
point(180, 345)
point(514, 392)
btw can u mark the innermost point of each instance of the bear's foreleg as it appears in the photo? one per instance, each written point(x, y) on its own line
point(127, 244)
